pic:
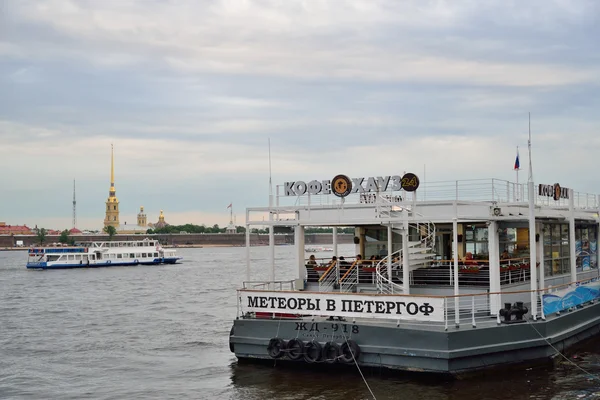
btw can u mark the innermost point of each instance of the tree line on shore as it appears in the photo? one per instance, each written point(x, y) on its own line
point(65, 237)
point(191, 228)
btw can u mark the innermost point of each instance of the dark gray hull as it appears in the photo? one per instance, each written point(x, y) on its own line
point(426, 348)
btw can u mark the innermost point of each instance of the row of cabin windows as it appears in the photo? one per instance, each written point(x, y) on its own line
point(123, 244)
point(130, 255)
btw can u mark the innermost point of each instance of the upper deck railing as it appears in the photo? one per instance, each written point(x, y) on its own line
point(474, 309)
point(480, 190)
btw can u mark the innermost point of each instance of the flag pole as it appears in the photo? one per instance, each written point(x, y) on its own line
point(517, 170)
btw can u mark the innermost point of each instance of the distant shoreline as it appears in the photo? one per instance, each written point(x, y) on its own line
point(180, 246)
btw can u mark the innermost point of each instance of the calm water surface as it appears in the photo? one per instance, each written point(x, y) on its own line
point(161, 332)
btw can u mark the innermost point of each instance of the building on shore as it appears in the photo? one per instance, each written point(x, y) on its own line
point(112, 210)
point(141, 226)
point(14, 229)
point(112, 203)
point(161, 221)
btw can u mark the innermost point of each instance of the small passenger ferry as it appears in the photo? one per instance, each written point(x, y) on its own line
point(451, 278)
point(102, 254)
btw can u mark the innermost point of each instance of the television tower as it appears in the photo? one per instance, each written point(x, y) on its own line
point(74, 207)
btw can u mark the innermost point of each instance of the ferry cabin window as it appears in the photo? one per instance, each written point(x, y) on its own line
point(119, 255)
point(131, 255)
point(144, 255)
point(556, 249)
point(476, 241)
point(586, 246)
point(376, 242)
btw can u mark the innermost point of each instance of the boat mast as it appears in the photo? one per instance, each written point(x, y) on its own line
point(74, 207)
point(532, 233)
point(271, 227)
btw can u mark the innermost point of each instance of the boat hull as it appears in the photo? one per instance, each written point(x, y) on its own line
point(454, 352)
point(172, 260)
point(45, 265)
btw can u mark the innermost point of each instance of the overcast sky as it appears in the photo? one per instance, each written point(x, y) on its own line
point(190, 91)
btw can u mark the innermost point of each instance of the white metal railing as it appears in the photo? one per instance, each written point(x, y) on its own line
point(493, 190)
point(384, 278)
point(329, 280)
point(269, 285)
point(476, 309)
point(350, 278)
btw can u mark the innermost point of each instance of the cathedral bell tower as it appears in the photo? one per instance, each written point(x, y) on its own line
point(141, 218)
point(112, 203)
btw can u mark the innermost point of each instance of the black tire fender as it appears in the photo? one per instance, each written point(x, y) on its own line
point(231, 345)
point(295, 349)
point(331, 352)
point(313, 352)
point(349, 351)
point(276, 348)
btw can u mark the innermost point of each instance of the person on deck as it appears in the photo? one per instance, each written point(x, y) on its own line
point(383, 251)
point(311, 274)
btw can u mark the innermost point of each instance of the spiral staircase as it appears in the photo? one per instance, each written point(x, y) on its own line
point(389, 277)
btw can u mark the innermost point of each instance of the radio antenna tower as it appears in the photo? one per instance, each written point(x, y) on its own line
point(74, 207)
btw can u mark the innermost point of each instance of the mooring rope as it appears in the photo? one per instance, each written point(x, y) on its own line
point(561, 354)
point(357, 366)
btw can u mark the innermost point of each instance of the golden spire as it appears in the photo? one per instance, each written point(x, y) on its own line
point(112, 168)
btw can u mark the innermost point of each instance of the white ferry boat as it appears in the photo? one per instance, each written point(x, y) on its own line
point(453, 277)
point(102, 254)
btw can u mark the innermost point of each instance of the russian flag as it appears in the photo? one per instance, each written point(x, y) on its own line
point(517, 164)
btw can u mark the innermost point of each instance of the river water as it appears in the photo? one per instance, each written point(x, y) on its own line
point(161, 332)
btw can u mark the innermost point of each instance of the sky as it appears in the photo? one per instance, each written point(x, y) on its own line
point(190, 93)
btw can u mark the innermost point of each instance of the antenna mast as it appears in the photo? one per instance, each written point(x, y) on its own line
point(74, 207)
point(530, 179)
point(270, 180)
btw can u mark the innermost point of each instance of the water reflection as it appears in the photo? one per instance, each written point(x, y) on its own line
point(554, 380)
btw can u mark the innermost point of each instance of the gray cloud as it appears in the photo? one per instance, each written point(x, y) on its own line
point(190, 92)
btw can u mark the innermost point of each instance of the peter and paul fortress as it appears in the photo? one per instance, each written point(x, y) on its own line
point(112, 209)
point(112, 203)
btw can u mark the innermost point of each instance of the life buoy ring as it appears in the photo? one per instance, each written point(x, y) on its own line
point(276, 347)
point(108, 261)
point(349, 351)
point(312, 352)
point(331, 352)
point(295, 349)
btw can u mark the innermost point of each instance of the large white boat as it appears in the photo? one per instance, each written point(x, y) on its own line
point(468, 275)
point(102, 254)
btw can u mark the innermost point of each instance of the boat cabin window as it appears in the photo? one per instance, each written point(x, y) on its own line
point(586, 246)
point(131, 255)
point(52, 258)
point(476, 241)
point(144, 255)
point(556, 249)
point(119, 255)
